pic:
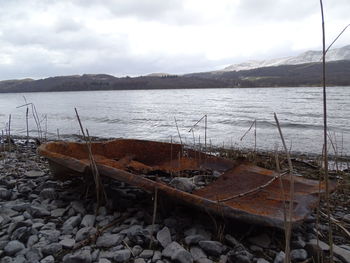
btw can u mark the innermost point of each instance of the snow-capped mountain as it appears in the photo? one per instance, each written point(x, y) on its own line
point(306, 57)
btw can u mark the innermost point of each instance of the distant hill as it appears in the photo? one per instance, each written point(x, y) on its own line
point(311, 56)
point(338, 74)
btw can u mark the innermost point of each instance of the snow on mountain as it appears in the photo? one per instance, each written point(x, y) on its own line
point(306, 57)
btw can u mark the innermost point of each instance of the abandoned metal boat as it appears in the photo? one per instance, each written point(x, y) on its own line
point(240, 191)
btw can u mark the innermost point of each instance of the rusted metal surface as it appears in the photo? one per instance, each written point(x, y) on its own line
point(242, 191)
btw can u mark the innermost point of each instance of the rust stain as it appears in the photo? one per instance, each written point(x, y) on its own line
point(128, 160)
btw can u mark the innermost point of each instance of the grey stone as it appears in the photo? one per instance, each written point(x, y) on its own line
point(262, 260)
point(13, 247)
point(183, 184)
point(67, 243)
point(109, 240)
point(136, 250)
point(32, 240)
point(58, 212)
point(104, 260)
point(298, 243)
point(6, 259)
point(223, 259)
point(182, 256)
point(146, 254)
point(95, 255)
point(38, 211)
point(72, 221)
point(19, 259)
point(80, 256)
point(197, 253)
point(164, 237)
point(48, 193)
point(51, 249)
point(262, 240)
point(140, 260)
point(78, 207)
point(33, 254)
point(213, 248)
point(342, 253)
point(204, 260)
point(239, 255)
point(102, 211)
point(84, 233)
point(298, 255)
point(88, 221)
point(346, 218)
point(50, 235)
point(34, 174)
point(157, 256)
point(5, 194)
point(231, 240)
point(122, 255)
point(193, 239)
point(106, 254)
point(177, 253)
point(48, 259)
point(279, 257)
point(171, 249)
point(22, 234)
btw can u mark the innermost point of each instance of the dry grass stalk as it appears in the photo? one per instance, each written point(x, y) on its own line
point(93, 165)
point(288, 230)
point(155, 206)
point(252, 190)
point(278, 169)
point(9, 134)
point(335, 149)
point(205, 117)
point(330, 233)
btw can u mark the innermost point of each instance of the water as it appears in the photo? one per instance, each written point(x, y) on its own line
point(149, 114)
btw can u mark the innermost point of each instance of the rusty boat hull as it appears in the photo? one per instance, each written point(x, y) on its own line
point(242, 191)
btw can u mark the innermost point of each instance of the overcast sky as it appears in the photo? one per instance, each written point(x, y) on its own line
point(135, 37)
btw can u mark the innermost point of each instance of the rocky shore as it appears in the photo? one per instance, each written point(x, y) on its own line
point(45, 220)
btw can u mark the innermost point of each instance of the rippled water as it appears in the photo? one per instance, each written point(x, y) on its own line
point(149, 114)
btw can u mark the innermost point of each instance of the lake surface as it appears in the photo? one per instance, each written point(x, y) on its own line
point(149, 114)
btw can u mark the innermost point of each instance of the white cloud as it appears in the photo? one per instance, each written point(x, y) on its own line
point(131, 37)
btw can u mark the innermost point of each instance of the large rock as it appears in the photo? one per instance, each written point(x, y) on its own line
point(13, 247)
point(164, 237)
